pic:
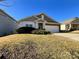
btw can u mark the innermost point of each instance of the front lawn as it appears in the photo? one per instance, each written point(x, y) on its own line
point(75, 32)
point(27, 46)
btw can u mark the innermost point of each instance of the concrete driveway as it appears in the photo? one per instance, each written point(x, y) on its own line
point(69, 35)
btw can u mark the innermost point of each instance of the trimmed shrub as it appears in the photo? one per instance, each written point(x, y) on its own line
point(25, 30)
point(44, 32)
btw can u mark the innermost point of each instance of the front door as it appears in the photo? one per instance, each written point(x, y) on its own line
point(40, 25)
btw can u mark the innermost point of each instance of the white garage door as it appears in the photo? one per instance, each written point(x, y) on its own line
point(52, 28)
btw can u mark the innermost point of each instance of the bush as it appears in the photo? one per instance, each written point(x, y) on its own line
point(41, 32)
point(25, 30)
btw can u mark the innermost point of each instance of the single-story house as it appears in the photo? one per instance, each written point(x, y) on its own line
point(7, 23)
point(72, 24)
point(40, 21)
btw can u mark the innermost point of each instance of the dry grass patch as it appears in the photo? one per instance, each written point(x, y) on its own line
point(26, 46)
point(75, 32)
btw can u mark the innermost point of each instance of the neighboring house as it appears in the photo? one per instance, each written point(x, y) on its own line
point(7, 23)
point(72, 24)
point(40, 21)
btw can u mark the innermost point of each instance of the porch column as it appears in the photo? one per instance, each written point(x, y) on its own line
point(70, 26)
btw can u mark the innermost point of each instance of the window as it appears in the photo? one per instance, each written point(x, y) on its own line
point(28, 25)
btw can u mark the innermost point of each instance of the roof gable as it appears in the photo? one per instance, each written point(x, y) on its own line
point(36, 17)
point(47, 18)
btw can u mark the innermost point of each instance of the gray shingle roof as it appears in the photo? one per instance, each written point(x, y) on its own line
point(35, 17)
point(32, 18)
point(76, 19)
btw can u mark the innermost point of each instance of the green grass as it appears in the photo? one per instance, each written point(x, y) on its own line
point(26, 46)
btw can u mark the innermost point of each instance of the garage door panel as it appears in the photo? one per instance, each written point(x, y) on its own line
point(52, 28)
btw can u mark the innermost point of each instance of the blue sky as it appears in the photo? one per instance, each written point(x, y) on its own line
point(60, 10)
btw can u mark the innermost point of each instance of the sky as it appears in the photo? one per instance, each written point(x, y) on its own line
point(59, 10)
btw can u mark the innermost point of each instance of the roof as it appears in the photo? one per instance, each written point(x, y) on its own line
point(35, 17)
point(76, 19)
point(7, 15)
point(32, 18)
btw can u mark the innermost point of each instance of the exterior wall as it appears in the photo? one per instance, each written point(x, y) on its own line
point(34, 24)
point(66, 27)
point(7, 25)
point(52, 28)
point(22, 24)
point(40, 22)
point(74, 25)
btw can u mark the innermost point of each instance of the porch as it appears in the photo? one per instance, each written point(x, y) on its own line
point(74, 26)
